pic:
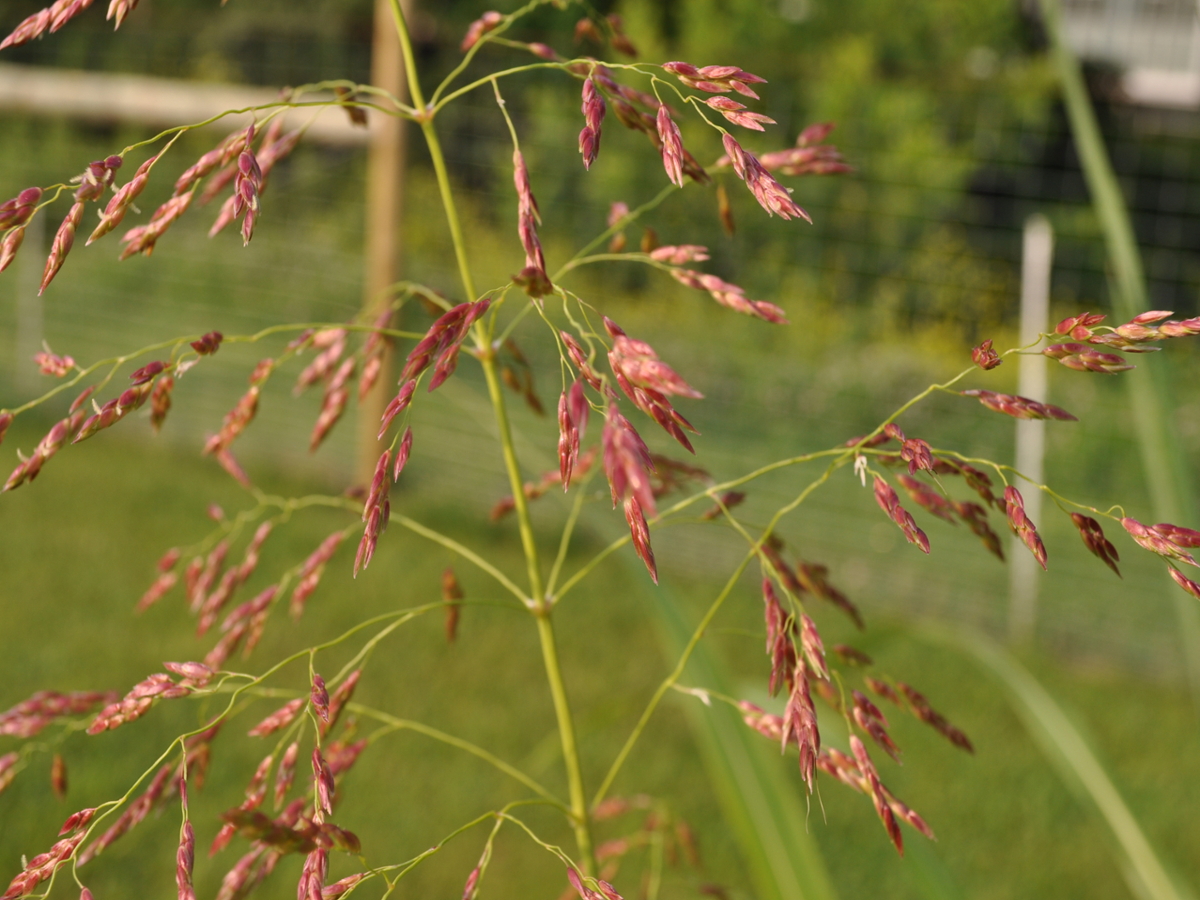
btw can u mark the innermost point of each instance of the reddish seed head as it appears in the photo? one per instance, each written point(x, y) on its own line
point(985, 357)
point(320, 697)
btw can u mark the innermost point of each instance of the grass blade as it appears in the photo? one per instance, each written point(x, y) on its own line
point(1076, 763)
point(758, 791)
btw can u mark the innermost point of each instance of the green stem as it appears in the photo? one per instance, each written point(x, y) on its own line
point(562, 709)
point(579, 807)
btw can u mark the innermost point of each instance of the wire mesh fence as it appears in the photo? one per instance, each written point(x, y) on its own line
point(955, 136)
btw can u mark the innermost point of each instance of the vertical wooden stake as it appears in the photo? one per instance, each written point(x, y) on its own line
point(384, 209)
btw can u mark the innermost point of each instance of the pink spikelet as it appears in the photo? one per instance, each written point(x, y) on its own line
point(639, 532)
point(648, 381)
point(19, 210)
point(800, 725)
point(780, 648)
point(10, 245)
point(1167, 540)
point(481, 26)
point(55, 439)
point(402, 453)
point(715, 79)
point(311, 572)
point(323, 780)
point(1014, 505)
point(222, 154)
point(64, 239)
point(246, 189)
point(235, 422)
point(339, 698)
point(6, 419)
point(730, 295)
point(573, 410)
point(143, 238)
point(679, 254)
point(593, 115)
point(1019, 407)
point(672, 145)
point(185, 856)
point(281, 718)
point(97, 178)
point(627, 462)
point(114, 213)
point(527, 216)
point(119, 9)
point(876, 791)
point(376, 512)
point(31, 28)
point(286, 773)
point(770, 194)
point(319, 697)
point(49, 363)
point(337, 395)
point(738, 114)
point(886, 497)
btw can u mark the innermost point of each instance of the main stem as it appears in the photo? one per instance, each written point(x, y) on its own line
point(539, 607)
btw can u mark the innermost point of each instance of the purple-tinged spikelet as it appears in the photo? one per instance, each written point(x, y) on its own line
point(19, 210)
point(119, 9)
point(1186, 583)
point(319, 697)
point(1096, 542)
point(528, 216)
point(679, 254)
point(311, 571)
point(54, 441)
point(886, 497)
point(593, 115)
point(281, 718)
point(800, 725)
point(235, 422)
point(6, 419)
point(770, 194)
point(49, 363)
point(672, 145)
point(715, 79)
point(1019, 407)
point(376, 512)
point(730, 295)
point(208, 344)
point(341, 696)
point(1083, 358)
point(10, 245)
point(627, 462)
point(648, 381)
point(985, 357)
point(1014, 505)
point(61, 246)
point(481, 26)
point(143, 238)
point(119, 204)
point(639, 533)
point(323, 781)
point(738, 114)
point(1168, 541)
point(286, 773)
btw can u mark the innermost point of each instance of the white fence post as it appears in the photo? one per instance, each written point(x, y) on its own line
point(1036, 263)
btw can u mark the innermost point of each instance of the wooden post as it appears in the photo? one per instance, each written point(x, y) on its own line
point(382, 239)
point(1036, 263)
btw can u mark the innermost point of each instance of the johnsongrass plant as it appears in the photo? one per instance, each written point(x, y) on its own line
point(613, 386)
